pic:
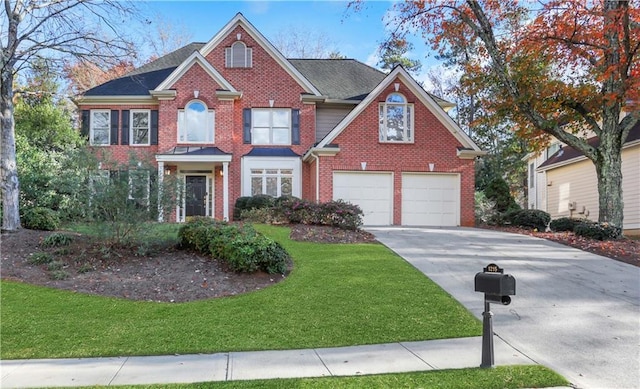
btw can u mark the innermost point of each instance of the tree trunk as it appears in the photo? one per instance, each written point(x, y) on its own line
point(9, 186)
point(609, 172)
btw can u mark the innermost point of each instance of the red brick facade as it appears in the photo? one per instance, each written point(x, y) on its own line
point(268, 82)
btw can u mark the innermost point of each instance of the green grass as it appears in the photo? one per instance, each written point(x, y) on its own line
point(532, 376)
point(337, 295)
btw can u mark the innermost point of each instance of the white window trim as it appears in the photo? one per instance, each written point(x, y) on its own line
point(383, 129)
point(270, 110)
point(229, 55)
point(211, 124)
point(272, 163)
point(131, 137)
point(108, 112)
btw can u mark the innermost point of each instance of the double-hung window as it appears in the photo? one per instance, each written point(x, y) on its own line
point(272, 182)
point(196, 123)
point(271, 126)
point(100, 128)
point(140, 127)
point(396, 119)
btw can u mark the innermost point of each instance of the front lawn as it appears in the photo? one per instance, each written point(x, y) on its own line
point(337, 295)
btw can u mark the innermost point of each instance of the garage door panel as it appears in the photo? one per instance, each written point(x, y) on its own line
point(372, 192)
point(430, 199)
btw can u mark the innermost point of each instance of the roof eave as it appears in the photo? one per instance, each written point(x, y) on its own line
point(320, 152)
point(470, 154)
point(116, 99)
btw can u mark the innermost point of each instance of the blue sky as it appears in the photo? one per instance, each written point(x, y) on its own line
point(355, 35)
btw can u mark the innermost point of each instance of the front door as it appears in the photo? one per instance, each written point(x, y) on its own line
point(196, 196)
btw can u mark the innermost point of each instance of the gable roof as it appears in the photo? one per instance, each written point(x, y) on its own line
point(240, 20)
point(469, 147)
point(194, 58)
point(568, 154)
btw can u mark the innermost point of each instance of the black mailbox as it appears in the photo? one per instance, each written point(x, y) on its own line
point(496, 284)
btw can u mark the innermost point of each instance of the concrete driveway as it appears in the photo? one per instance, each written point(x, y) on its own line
point(575, 312)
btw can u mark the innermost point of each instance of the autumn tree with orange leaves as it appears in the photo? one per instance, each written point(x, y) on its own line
point(562, 68)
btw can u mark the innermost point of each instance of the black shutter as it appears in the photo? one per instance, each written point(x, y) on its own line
point(84, 127)
point(124, 134)
point(295, 126)
point(246, 125)
point(115, 119)
point(154, 127)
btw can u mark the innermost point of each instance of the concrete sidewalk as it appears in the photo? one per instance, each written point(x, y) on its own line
point(340, 361)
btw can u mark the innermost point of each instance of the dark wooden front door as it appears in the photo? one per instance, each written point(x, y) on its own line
point(196, 196)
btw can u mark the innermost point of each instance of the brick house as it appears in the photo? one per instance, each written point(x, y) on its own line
point(232, 117)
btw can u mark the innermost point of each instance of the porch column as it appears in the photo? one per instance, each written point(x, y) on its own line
point(225, 191)
point(160, 181)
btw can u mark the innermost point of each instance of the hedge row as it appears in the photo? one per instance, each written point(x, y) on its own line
point(536, 219)
point(240, 246)
point(288, 209)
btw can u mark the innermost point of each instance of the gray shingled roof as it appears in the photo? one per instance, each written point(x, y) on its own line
point(341, 79)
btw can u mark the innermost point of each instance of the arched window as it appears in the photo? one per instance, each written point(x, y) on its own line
point(238, 56)
point(396, 119)
point(196, 123)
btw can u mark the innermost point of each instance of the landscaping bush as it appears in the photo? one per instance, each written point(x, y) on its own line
point(57, 240)
point(498, 191)
point(246, 203)
point(530, 218)
point(241, 247)
point(40, 219)
point(599, 231)
point(565, 224)
point(484, 208)
point(341, 214)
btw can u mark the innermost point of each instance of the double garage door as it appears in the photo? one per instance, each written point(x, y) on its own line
point(427, 199)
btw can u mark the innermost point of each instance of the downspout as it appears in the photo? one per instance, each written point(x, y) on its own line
point(317, 177)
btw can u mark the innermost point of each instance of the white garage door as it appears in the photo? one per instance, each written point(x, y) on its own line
point(373, 192)
point(430, 199)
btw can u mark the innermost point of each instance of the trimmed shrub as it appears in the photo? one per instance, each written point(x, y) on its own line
point(565, 224)
point(530, 218)
point(241, 247)
point(40, 219)
point(247, 203)
point(599, 231)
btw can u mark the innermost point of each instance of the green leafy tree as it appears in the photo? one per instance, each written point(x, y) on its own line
point(45, 141)
point(54, 30)
point(393, 52)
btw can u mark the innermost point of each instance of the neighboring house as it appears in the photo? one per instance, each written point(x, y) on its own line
point(232, 117)
point(562, 182)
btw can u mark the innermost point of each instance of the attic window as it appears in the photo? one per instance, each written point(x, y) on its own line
point(238, 56)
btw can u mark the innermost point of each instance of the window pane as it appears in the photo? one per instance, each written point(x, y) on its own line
point(196, 106)
point(140, 119)
point(100, 120)
point(395, 98)
point(281, 117)
point(261, 118)
point(286, 186)
point(256, 186)
point(196, 123)
point(272, 186)
point(100, 137)
point(260, 136)
point(395, 122)
point(140, 136)
point(281, 136)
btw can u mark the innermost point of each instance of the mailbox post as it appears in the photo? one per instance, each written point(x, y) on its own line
point(497, 287)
